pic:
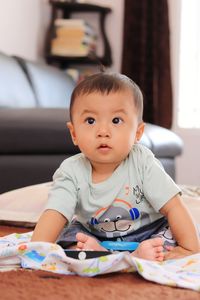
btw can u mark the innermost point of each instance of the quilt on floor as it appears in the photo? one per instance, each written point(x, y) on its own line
point(16, 251)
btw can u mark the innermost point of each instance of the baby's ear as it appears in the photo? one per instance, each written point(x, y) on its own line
point(70, 126)
point(140, 131)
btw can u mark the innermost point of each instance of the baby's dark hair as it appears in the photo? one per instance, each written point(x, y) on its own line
point(106, 83)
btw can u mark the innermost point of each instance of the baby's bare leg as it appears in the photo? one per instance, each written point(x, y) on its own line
point(151, 249)
point(86, 242)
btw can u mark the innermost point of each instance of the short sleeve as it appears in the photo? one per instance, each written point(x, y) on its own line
point(158, 186)
point(63, 195)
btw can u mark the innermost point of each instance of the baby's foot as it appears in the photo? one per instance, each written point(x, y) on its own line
point(151, 249)
point(85, 242)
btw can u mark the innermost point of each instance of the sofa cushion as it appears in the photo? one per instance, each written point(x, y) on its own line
point(52, 87)
point(35, 131)
point(15, 90)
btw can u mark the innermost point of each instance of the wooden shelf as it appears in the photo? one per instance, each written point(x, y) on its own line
point(64, 61)
point(65, 9)
point(70, 7)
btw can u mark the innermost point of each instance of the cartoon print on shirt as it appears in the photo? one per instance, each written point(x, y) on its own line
point(137, 191)
point(117, 219)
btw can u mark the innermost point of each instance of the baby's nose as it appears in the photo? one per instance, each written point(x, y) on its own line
point(103, 131)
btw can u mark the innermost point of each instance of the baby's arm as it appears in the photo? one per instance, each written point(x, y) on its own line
point(182, 227)
point(49, 226)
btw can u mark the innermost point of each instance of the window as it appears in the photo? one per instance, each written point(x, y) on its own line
point(189, 85)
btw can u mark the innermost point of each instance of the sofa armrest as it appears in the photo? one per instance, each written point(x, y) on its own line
point(165, 144)
point(162, 142)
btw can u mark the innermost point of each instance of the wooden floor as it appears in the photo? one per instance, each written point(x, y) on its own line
point(5, 230)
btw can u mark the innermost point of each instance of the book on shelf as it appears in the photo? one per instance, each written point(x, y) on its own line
point(73, 37)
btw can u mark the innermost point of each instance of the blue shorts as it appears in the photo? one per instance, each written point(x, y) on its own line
point(158, 228)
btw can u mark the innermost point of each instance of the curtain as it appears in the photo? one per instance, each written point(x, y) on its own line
point(146, 56)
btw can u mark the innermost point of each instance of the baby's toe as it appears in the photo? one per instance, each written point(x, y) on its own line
point(80, 245)
point(81, 237)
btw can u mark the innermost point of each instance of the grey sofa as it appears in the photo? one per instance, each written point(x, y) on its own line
point(34, 100)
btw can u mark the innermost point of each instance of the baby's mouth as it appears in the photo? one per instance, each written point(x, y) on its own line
point(104, 146)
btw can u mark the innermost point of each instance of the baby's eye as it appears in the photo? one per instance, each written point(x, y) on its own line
point(90, 120)
point(116, 120)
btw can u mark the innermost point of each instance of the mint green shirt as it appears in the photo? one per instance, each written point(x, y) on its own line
point(129, 199)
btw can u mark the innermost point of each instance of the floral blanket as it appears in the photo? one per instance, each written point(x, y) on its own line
point(16, 251)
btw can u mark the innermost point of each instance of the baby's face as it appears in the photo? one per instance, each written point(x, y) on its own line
point(105, 127)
